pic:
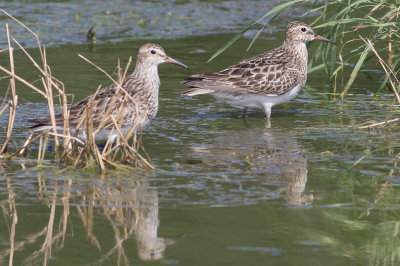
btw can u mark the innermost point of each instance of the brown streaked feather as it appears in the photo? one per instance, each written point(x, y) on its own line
point(141, 86)
point(102, 102)
point(266, 74)
point(265, 80)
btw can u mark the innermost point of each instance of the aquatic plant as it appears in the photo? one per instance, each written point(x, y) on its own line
point(68, 148)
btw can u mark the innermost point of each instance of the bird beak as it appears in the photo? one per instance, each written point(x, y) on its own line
point(318, 37)
point(170, 60)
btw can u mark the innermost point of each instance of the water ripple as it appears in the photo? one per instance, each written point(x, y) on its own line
point(60, 23)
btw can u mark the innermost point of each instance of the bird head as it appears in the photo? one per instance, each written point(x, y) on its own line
point(153, 54)
point(300, 32)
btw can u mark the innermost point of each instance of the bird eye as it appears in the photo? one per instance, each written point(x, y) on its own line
point(153, 52)
point(303, 29)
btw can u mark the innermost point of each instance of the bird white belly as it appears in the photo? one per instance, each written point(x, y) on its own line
point(256, 100)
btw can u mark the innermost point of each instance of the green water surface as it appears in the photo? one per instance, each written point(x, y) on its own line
point(226, 190)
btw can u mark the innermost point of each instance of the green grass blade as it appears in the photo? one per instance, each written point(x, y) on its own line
point(319, 67)
point(219, 51)
point(255, 38)
point(276, 10)
point(355, 71)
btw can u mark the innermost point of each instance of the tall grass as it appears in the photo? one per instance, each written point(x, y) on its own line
point(349, 23)
point(12, 104)
point(68, 147)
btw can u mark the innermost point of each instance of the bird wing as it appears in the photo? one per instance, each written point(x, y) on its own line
point(265, 74)
point(102, 101)
point(110, 100)
point(76, 111)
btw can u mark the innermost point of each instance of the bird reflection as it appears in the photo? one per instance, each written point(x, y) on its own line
point(271, 156)
point(150, 246)
point(129, 204)
point(133, 210)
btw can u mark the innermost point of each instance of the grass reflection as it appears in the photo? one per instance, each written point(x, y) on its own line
point(130, 206)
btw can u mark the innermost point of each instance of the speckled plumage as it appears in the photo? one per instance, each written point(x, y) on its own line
point(141, 97)
point(262, 81)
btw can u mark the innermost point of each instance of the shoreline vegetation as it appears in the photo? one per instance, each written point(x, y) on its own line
point(68, 149)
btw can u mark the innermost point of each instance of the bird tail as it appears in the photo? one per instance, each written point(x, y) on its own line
point(195, 84)
point(192, 91)
point(40, 123)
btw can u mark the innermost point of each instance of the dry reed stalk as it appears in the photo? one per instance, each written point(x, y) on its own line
point(13, 210)
point(100, 158)
point(66, 210)
point(118, 215)
point(4, 105)
point(109, 154)
point(117, 123)
point(390, 56)
point(43, 147)
point(90, 138)
point(28, 142)
point(70, 137)
point(47, 84)
point(11, 117)
point(115, 82)
point(46, 247)
point(23, 148)
point(14, 102)
point(88, 224)
point(388, 71)
point(380, 123)
point(21, 244)
point(118, 91)
point(119, 239)
point(40, 150)
point(390, 75)
point(47, 231)
point(39, 256)
point(47, 81)
point(22, 81)
point(43, 255)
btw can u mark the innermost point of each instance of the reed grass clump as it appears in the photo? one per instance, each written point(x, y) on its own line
point(68, 148)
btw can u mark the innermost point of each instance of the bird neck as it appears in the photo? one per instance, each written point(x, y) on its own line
point(298, 50)
point(148, 74)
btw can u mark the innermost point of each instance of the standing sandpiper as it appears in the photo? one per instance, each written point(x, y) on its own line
point(262, 81)
point(139, 97)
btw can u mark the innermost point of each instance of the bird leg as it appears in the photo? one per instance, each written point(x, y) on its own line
point(267, 110)
point(268, 124)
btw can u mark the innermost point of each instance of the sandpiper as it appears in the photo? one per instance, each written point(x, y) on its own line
point(262, 81)
point(139, 97)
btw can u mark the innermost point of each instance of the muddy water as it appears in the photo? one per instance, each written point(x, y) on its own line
point(226, 191)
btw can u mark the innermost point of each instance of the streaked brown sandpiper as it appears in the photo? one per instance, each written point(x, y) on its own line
point(139, 97)
point(262, 81)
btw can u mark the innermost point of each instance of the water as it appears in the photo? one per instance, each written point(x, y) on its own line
point(67, 22)
point(226, 191)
